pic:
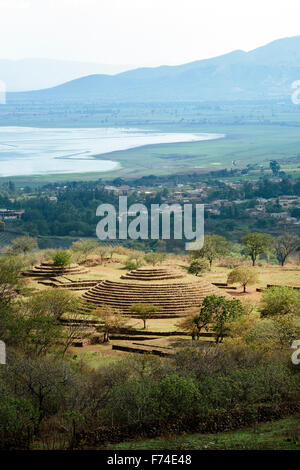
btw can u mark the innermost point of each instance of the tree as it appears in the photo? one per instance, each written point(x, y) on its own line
point(222, 311)
point(84, 247)
point(111, 320)
point(198, 266)
point(194, 324)
point(242, 275)
point(62, 258)
point(275, 332)
point(36, 333)
point(48, 383)
point(134, 261)
point(275, 167)
point(102, 252)
point(280, 301)
point(55, 302)
point(2, 226)
point(24, 244)
point(11, 281)
point(214, 247)
point(74, 331)
point(285, 245)
point(144, 311)
point(255, 244)
point(155, 258)
point(17, 418)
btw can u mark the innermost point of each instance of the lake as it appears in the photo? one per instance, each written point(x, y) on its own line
point(34, 151)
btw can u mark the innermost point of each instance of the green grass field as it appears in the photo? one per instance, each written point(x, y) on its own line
point(246, 144)
point(278, 435)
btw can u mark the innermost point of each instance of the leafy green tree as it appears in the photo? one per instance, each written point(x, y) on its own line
point(11, 281)
point(242, 275)
point(144, 311)
point(24, 244)
point(213, 248)
point(222, 311)
point(198, 266)
point(62, 258)
point(55, 302)
point(194, 324)
point(255, 244)
point(280, 301)
point(36, 333)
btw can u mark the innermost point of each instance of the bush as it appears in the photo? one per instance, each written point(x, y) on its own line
point(198, 266)
point(178, 398)
point(264, 383)
point(280, 301)
point(62, 258)
point(130, 265)
point(17, 418)
point(135, 402)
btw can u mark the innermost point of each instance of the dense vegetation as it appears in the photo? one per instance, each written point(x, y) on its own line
point(73, 213)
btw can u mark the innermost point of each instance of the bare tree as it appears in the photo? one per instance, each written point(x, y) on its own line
point(285, 245)
point(111, 320)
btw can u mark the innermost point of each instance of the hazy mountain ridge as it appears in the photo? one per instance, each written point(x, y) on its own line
point(36, 74)
point(264, 73)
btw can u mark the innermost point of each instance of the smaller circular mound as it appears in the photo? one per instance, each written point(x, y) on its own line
point(153, 274)
point(51, 270)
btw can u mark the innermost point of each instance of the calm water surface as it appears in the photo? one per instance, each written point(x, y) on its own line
point(33, 151)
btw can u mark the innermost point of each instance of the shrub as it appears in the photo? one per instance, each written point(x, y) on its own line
point(62, 258)
point(178, 398)
point(280, 301)
point(135, 402)
point(17, 418)
point(198, 266)
point(130, 265)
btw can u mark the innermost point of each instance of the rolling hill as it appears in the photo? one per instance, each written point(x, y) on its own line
point(263, 73)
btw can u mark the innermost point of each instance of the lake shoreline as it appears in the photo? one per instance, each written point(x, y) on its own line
point(55, 152)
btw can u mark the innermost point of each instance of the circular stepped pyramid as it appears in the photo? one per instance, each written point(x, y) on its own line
point(173, 298)
point(155, 274)
point(50, 270)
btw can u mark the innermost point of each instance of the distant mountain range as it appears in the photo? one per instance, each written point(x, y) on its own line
point(263, 73)
point(35, 74)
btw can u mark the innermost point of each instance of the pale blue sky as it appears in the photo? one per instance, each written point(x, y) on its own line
point(141, 32)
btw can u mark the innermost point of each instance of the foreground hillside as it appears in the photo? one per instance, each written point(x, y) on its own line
point(278, 435)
